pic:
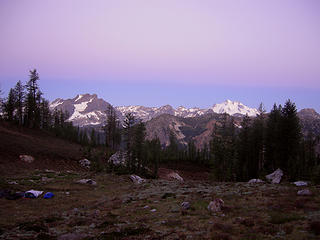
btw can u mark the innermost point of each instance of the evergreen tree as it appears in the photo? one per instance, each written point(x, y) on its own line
point(172, 153)
point(45, 114)
point(273, 138)
point(32, 113)
point(138, 147)
point(244, 150)
point(128, 123)
point(223, 151)
point(112, 130)
point(291, 138)
point(93, 138)
point(20, 97)
point(10, 104)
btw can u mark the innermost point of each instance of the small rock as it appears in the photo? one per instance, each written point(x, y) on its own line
point(85, 163)
point(304, 192)
point(92, 225)
point(87, 181)
point(256, 180)
point(300, 183)
point(153, 210)
point(185, 205)
point(67, 193)
point(276, 176)
point(175, 176)
point(72, 236)
point(146, 207)
point(136, 179)
point(26, 158)
point(216, 205)
point(12, 182)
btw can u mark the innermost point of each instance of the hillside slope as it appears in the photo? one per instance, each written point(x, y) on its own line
point(49, 152)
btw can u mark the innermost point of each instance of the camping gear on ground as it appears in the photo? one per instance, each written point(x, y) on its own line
point(48, 195)
point(32, 194)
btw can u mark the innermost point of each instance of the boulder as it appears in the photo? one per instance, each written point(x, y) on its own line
point(119, 158)
point(255, 180)
point(185, 205)
point(85, 163)
point(87, 181)
point(304, 192)
point(136, 179)
point(300, 183)
point(216, 205)
point(26, 158)
point(175, 176)
point(275, 177)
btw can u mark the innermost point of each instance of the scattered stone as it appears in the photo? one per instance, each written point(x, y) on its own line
point(85, 163)
point(119, 158)
point(12, 182)
point(26, 158)
point(304, 192)
point(87, 181)
point(175, 176)
point(72, 236)
point(153, 210)
point(255, 180)
point(300, 183)
point(275, 177)
point(46, 179)
point(216, 205)
point(136, 179)
point(146, 207)
point(185, 205)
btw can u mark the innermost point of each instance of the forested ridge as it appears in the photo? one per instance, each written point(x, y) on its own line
point(258, 146)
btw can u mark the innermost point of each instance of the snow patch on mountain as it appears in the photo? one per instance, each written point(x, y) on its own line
point(233, 107)
point(78, 109)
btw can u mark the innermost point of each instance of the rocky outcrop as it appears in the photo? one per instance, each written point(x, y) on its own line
point(275, 177)
point(118, 159)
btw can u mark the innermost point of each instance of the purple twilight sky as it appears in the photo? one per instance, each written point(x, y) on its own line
point(156, 52)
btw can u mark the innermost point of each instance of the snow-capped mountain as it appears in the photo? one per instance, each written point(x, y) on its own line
point(148, 113)
point(233, 108)
point(86, 109)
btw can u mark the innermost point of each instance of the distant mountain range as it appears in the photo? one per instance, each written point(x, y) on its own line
point(89, 110)
point(186, 123)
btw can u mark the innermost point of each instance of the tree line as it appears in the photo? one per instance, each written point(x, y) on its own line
point(26, 106)
point(259, 146)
